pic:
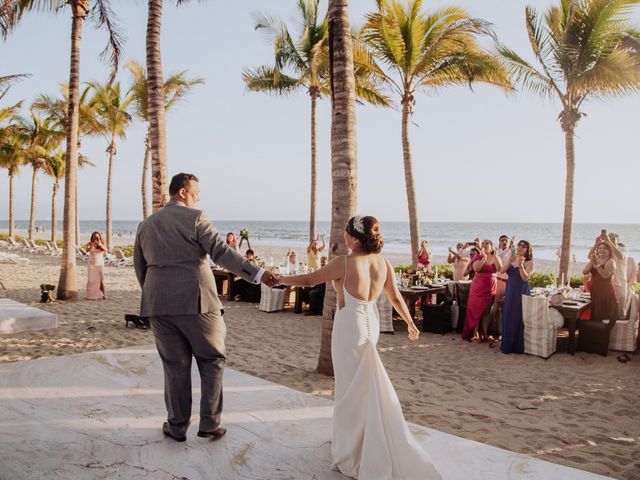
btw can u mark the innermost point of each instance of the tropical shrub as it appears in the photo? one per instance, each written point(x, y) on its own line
point(539, 279)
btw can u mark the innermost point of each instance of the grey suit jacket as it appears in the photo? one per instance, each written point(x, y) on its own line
point(170, 262)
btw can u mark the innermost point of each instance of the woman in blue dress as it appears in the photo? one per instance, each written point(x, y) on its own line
point(519, 266)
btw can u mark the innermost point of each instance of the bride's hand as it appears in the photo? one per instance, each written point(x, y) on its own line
point(414, 333)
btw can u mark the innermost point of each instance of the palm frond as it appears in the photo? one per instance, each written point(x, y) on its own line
point(104, 17)
point(523, 73)
point(268, 79)
point(8, 80)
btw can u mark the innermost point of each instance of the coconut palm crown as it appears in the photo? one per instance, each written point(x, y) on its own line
point(584, 49)
point(427, 51)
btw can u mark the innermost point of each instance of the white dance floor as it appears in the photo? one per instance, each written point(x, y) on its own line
point(98, 415)
point(17, 317)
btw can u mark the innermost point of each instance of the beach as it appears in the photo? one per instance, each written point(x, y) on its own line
point(580, 411)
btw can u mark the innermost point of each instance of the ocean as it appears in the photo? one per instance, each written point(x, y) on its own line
point(545, 237)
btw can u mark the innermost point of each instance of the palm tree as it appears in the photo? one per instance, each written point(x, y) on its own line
point(56, 109)
point(55, 169)
point(427, 51)
point(113, 119)
point(343, 155)
point(156, 99)
point(41, 140)
point(176, 87)
point(100, 12)
point(585, 49)
point(304, 64)
point(12, 154)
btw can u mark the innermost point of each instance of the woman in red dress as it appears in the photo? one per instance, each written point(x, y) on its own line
point(423, 256)
point(483, 288)
point(603, 294)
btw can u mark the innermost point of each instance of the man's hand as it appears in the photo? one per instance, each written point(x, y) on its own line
point(270, 279)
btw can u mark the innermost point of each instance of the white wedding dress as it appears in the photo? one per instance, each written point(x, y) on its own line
point(371, 439)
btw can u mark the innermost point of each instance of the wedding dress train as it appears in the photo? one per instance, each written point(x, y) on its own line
point(371, 439)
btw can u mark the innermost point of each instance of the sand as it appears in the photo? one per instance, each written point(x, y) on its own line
point(580, 411)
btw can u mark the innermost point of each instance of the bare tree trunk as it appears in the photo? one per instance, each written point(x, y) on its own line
point(565, 250)
point(414, 223)
point(112, 151)
point(67, 283)
point(145, 177)
point(54, 219)
point(32, 215)
point(343, 155)
point(12, 226)
point(314, 169)
point(77, 221)
point(157, 129)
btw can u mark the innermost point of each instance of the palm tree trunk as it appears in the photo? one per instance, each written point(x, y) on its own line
point(314, 169)
point(32, 215)
point(67, 283)
point(11, 205)
point(145, 177)
point(414, 224)
point(54, 220)
point(155, 94)
point(343, 155)
point(112, 152)
point(567, 223)
point(77, 221)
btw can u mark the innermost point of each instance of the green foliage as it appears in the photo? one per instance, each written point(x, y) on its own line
point(636, 288)
point(402, 268)
point(127, 250)
point(576, 281)
point(539, 279)
point(444, 270)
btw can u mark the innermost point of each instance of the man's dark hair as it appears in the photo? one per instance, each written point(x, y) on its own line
point(503, 236)
point(181, 180)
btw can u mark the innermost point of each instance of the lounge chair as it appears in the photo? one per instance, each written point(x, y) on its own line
point(55, 250)
point(12, 244)
point(123, 260)
point(36, 248)
point(541, 325)
point(624, 333)
point(51, 251)
point(81, 253)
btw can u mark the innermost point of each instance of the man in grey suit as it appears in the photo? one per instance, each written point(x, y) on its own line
point(180, 299)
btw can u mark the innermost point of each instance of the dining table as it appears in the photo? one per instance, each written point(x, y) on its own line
point(411, 294)
point(221, 276)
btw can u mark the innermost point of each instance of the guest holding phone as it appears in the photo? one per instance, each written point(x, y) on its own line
point(95, 269)
point(602, 268)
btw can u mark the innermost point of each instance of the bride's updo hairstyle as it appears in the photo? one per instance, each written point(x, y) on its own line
point(367, 230)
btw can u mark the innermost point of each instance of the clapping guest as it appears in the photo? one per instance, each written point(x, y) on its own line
point(602, 268)
point(460, 261)
point(505, 250)
point(483, 288)
point(423, 256)
point(292, 263)
point(95, 269)
point(469, 272)
point(314, 253)
point(518, 268)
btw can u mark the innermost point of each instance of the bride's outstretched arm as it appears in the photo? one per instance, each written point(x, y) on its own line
point(331, 271)
point(391, 289)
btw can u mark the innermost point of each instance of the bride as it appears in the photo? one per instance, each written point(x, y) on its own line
point(371, 439)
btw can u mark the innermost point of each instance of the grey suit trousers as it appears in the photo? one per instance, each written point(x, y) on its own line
point(178, 338)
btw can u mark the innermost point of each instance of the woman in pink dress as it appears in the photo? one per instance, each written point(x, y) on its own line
point(95, 269)
point(423, 256)
point(483, 287)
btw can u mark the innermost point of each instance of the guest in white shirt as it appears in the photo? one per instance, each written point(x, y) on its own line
point(292, 263)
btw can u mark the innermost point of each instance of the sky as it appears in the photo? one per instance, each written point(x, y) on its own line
point(478, 156)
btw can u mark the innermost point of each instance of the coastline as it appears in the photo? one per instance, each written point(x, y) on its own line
point(266, 251)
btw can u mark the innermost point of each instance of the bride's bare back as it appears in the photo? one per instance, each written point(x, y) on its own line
point(364, 277)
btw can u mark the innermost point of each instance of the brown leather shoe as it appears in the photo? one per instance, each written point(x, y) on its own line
point(167, 432)
point(217, 434)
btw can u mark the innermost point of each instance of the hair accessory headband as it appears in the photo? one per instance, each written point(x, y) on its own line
point(358, 224)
